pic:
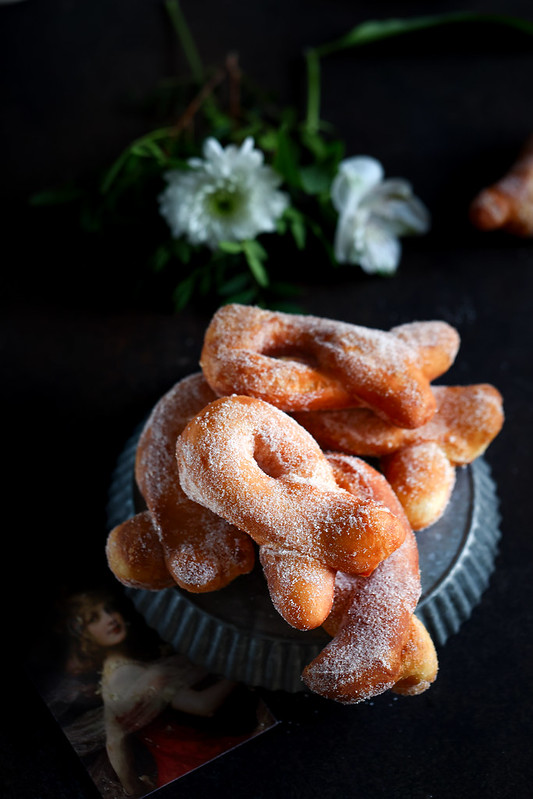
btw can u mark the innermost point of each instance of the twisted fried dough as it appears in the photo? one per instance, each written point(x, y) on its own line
point(467, 419)
point(201, 552)
point(508, 203)
point(298, 362)
point(419, 464)
point(253, 465)
point(436, 344)
point(377, 643)
point(135, 555)
point(423, 479)
point(419, 663)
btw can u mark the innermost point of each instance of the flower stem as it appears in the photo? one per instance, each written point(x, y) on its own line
point(234, 80)
point(203, 96)
point(313, 91)
point(187, 42)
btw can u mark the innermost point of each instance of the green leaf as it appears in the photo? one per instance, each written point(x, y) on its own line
point(160, 258)
point(59, 196)
point(149, 149)
point(231, 247)
point(113, 171)
point(235, 284)
point(183, 292)
point(220, 124)
point(256, 247)
point(375, 30)
point(297, 225)
point(181, 250)
point(316, 178)
point(122, 161)
point(286, 159)
point(255, 255)
point(268, 141)
point(174, 162)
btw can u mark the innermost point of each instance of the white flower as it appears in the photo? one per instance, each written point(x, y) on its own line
point(229, 195)
point(373, 214)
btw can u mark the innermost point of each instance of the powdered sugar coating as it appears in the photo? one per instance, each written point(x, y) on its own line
point(304, 362)
point(301, 587)
point(467, 419)
point(436, 343)
point(135, 555)
point(418, 463)
point(423, 479)
point(508, 203)
point(256, 467)
point(371, 619)
point(202, 551)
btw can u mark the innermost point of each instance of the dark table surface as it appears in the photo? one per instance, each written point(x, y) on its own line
point(84, 357)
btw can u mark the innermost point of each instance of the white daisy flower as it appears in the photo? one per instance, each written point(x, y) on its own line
point(228, 195)
point(373, 214)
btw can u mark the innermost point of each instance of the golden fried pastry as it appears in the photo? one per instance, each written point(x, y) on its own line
point(256, 467)
point(135, 554)
point(508, 203)
point(423, 479)
point(467, 419)
point(377, 643)
point(419, 663)
point(418, 463)
point(299, 362)
point(436, 344)
point(301, 587)
point(260, 449)
point(201, 551)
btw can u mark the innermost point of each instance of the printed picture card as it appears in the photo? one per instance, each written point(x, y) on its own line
point(138, 714)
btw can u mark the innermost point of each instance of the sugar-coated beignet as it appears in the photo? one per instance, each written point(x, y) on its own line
point(508, 203)
point(423, 479)
point(377, 643)
point(135, 555)
point(419, 664)
point(418, 463)
point(467, 419)
point(202, 552)
point(302, 362)
point(254, 466)
point(301, 587)
point(437, 344)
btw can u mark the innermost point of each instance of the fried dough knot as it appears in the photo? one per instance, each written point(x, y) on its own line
point(419, 464)
point(257, 459)
point(258, 469)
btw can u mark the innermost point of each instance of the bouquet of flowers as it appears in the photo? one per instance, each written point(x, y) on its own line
point(234, 192)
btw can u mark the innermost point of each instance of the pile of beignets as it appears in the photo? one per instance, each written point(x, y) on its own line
point(261, 454)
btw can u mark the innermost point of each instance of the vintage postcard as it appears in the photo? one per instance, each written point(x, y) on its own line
point(137, 714)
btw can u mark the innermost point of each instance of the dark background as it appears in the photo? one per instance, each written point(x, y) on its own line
point(85, 354)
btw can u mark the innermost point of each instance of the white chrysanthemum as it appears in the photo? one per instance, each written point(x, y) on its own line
point(373, 214)
point(228, 195)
